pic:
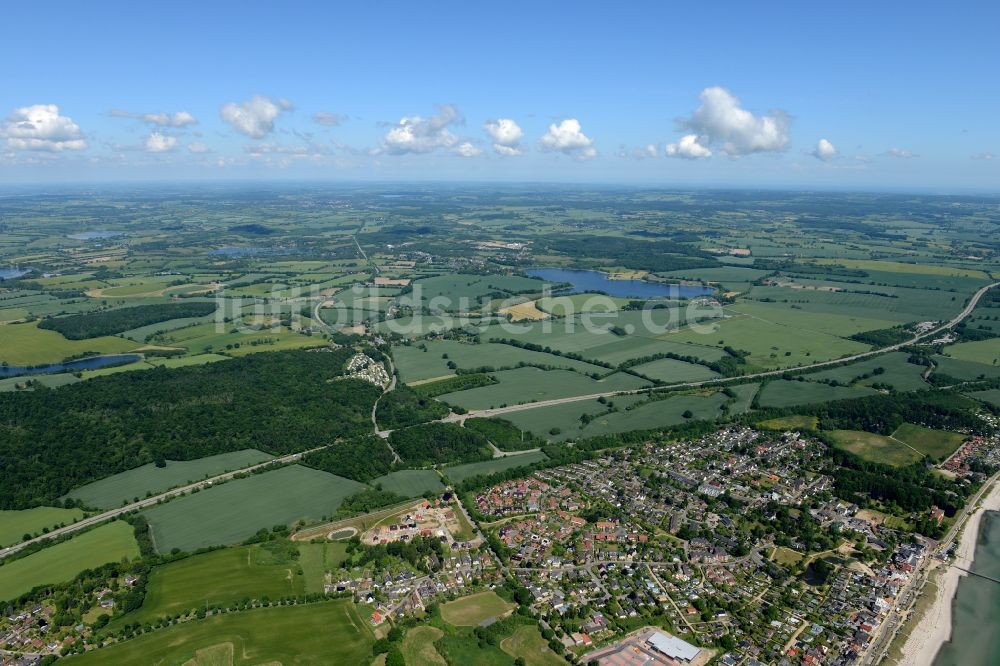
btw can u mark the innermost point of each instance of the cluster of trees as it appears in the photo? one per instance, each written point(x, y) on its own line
point(883, 337)
point(368, 500)
point(438, 443)
point(415, 551)
point(405, 407)
point(361, 458)
point(109, 322)
point(461, 382)
point(655, 256)
point(504, 434)
point(54, 440)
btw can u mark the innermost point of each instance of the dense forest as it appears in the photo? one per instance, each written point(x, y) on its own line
point(109, 322)
point(53, 440)
point(437, 443)
point(405, 407)
point(360, 458)
point(504, 434)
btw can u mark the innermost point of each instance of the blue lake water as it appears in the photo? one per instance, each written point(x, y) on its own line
point(251, 251)
point(11, 273)
point(70, 366)
point(583, 280)
point(95, 235)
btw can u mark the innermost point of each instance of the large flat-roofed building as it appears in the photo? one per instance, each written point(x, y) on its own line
point(673, 647)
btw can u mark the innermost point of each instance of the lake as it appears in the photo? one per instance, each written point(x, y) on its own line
point(11, 273)
point(92, 363)
point(252, 251)
point(583, 280)
point(976, 607)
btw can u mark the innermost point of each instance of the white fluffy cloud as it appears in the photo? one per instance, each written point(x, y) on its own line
point(824, 150)
point(467, 149)
point(649, 150)
point(254, 117)
point(567, 137)
point(900, 153)
point(161, 119)
point(689, 148)
point(415, 134)
point(983, 156)
point(40, 127)
point(506, 136)
point(721, 120)
point(329, 119)
point(158, 142)
point(197, 147)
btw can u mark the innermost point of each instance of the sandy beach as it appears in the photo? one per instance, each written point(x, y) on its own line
point(933, 628)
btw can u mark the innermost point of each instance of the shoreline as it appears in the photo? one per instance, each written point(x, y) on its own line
point(934, 628)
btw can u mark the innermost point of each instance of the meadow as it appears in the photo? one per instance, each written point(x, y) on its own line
point(231, 512)
point(787, 393)
point(63, 561)
point(938, 444)
point(304, 635)
point(986, 352)
point(410, 482)
point(15, 524)
point(897, 372)
point(962, 369)
point(418, 647)
point(316, 559)
point(875, 448)
point(527, 643)
point(130, 486)
point(673, 372)
point(219, 577)
point(991, 396)
point(459, 473)
point(469, 611)
point(26, 344)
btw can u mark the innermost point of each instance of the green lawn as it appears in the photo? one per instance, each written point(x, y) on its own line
point(219, 577)
point(126, 487)
point(63, 561)
point(459, 473)
point(303, 635)
point(231, 512)
point(471, 610)
point(875, 448)
point(935, 443)
point(410, 482)
point(15, 524)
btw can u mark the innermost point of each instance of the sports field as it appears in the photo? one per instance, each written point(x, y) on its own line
point(471, 610)
point(134, 484)
point(410, 482)
point(26, 344)
point(219, 577)
point(875, 448)
point(459, 473)
point(303, 635)
point(63, 561)
point(14, 525)
point(231, 512)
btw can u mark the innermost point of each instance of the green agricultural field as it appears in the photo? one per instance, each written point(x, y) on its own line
point(304, 635)
point(205, 338)
point(787, 393)
point(896, 372)
point(986, 352)
point(26, 344)
point(527, 643)
point(15, 524)
point(460, 292)
point(794, 422)
point(126, 487)
point(772, 345)
point(875, 448)
point(410, 482)
point(818, 322)
point(220, 577)
point(528, 384)
point(415, 364)
point(991, 396)
point(935, 443)
point(471, 610)
point(318, 558)
point(674, 372)
point(231, 512)
point(906, 268)
point(964, 370)
point(459, 473)
point(63, 561)
point(48, 381)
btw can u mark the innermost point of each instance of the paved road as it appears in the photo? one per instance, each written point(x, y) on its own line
point(146, 503)
point(479, 413)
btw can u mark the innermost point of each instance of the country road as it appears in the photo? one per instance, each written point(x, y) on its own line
point(481, 413)
point(99, 518)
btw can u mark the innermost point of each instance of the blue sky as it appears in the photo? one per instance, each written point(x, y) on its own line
point(904, 95)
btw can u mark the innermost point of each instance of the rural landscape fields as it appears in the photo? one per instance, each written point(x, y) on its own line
point(219, 421)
